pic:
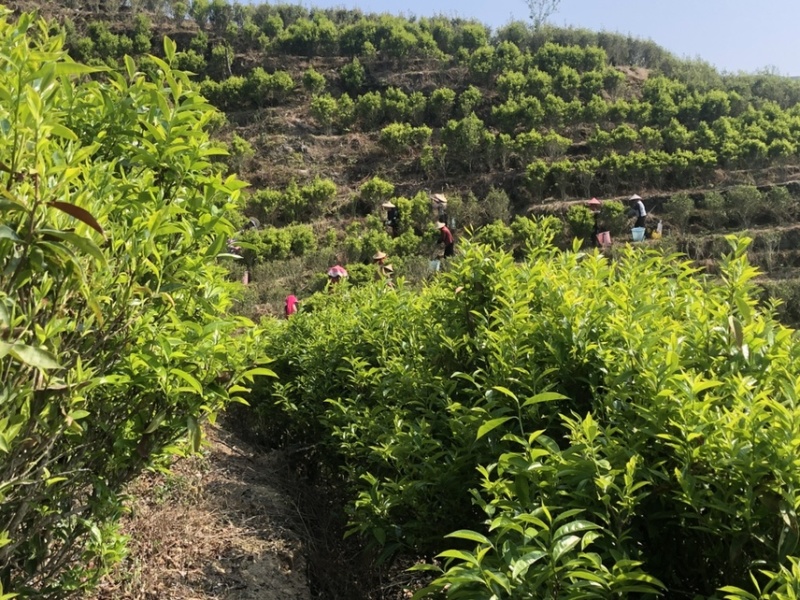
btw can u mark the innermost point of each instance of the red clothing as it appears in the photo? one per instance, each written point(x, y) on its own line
point(291, 305)
point(447, 236)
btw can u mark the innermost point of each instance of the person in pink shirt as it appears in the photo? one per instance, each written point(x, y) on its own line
point(446, 238)
point(291, 305)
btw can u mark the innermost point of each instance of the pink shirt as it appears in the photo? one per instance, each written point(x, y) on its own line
point(291, 304)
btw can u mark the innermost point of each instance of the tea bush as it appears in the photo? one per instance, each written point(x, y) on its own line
point(115, 341)
point(576, 427)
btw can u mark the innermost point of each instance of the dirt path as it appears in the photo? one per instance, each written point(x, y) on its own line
point(218, 527)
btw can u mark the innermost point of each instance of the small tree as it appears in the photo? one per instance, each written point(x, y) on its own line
point(679, 208)
point(581, 221)
point(716, 215)
point(323, 109)
point(541, 10)
point(313, 81)
point(614, 216)
point(744, 202)
point(781, 204)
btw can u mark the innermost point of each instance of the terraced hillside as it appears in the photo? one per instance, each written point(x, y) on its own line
point(330, 113)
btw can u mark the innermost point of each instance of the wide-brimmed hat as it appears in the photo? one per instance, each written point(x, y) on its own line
point(594, 202)
point(337, 271)
point(440, 225)
point(635, 197)
point(379, 255)
point(439, 199)
point(388, 268)
point(388, 205)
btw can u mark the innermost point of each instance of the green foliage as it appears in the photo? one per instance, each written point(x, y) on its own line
point(277, 243)
point(716, 213)
point(117, 341)
point(190, 61)
point(781, 204)
point(313, 81)
point(263, 88)
point(743, 203)
point(440, 105)
point(465, 140)
point(376, 190)
point(535, 232)
point(353, 76)
point(324, 109)
point(294, 203)
point(626, 428)
point(398, 138)
point(580, 221)
point(240, 153)
point(497, 235)
point(679, 208)
point(614, 217)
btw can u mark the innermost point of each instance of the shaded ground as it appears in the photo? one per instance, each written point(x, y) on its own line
point(220, 526)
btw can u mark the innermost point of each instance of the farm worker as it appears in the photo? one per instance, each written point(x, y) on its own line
point(336, 274)
point(594, 206)
point(291, 305)
point(388, 272)
point(440, 207)
point(446, 238)
point(637, 207)
point(379, 258)
point(392, 217)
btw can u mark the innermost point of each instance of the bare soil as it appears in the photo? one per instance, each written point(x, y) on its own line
point(220, 526)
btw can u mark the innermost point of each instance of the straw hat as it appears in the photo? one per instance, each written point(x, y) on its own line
point(440, 225)
point(594, 202)
point(388, 205)
point(388, 268)
point(636, 197)
point(439, 199)
point(380, 255)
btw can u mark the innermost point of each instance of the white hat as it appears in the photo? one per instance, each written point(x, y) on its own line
point(440, 225)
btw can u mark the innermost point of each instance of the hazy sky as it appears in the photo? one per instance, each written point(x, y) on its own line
point(733, 35)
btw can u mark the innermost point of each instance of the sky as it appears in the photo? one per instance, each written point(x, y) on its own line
point(733, 35)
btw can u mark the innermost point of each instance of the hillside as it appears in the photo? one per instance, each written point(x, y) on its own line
point(534, 421)
point(332, 112)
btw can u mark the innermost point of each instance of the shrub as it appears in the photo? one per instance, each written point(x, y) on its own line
point(313, 81)
point(241, 152)
point(353, 76)
point(679, 208)
point(781, 204)
point(620, 422)
point(581, 221)
point(716, 212)
point(743, 203)
point(497, 235)
point(614, 217)
point(376, 191)
point(117, 341)
point(324, 109)
point(190, 61)
point(535, 232)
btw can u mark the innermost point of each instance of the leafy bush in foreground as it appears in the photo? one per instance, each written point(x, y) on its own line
point(114, 339)
point(581, 428)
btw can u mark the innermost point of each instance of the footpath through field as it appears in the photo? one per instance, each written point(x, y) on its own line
point(220, 526)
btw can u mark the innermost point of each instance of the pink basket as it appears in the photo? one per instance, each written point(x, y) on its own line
point(604, 238)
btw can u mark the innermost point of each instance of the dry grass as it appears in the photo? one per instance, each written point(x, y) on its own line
point(220, 526)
